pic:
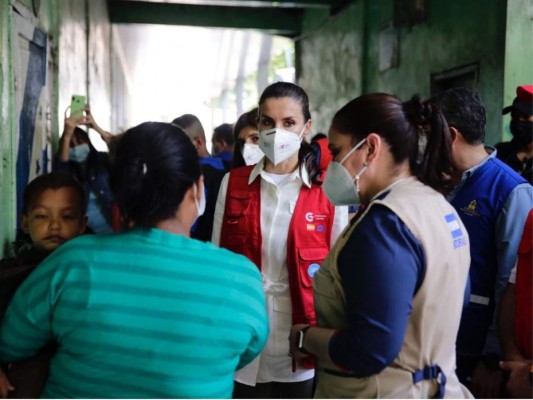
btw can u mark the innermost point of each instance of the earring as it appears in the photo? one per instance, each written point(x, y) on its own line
point(365, 166)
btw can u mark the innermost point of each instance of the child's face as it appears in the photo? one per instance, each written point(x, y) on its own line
point(54, 217)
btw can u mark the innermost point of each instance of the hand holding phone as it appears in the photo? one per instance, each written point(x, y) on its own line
point(77, 106)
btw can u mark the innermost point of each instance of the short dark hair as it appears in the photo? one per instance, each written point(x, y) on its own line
point(156, 163)
point(52, 180)
point(224, 132)
point(248, 119)
point(186, 120)
point(463, 111)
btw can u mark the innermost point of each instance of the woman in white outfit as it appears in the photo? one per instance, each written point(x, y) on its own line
point(277, 214)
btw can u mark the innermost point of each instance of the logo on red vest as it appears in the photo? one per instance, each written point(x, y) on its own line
point(311, 270)
point(311, 217)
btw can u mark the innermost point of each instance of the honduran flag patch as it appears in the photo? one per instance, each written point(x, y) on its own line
point(458, 237)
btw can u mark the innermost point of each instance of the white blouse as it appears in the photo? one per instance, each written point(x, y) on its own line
point(278, 200)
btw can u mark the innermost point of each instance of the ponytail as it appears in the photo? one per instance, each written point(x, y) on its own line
point(307, 158)
point(432, 162)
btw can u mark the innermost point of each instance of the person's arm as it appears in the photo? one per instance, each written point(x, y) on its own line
point(5, 386)
point(486, 377)
point(27, 323)
point(506, 328)
point(106, 136)
point(513, 215)
point(379, 298)
point(219, 210)
point(64, 143)
point(254, 312)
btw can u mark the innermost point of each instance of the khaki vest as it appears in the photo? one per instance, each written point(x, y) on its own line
point(436, 310)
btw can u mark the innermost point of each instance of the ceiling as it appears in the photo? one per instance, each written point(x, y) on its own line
point(275, 17)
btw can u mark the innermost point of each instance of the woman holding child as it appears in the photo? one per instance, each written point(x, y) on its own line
point(149, 312)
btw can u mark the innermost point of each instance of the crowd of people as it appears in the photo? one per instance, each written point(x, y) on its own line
point(390, 257)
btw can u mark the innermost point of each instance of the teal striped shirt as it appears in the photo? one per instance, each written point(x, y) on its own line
point(141, 314)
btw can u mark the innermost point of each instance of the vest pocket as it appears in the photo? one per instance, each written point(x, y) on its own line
point(236, 207)
point(236, 243)
point(309, 261)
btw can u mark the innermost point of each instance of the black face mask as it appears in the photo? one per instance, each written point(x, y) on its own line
point(522, 131)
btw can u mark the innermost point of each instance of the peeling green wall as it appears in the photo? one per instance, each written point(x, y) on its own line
point(518, 53)
point(457, 32)
point(7, 152)
point(79, 35)
point(329, 62)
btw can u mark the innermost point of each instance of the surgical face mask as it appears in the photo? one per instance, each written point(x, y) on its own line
point(200, 205)
point(252, 154)
point(279, 144)
point(79, 153)
point(522, 131)
point(339, 184)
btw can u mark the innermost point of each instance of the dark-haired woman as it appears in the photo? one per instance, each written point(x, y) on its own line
point(149, 313)
point(277, 215)
point(389, 295)
point(246, 134)
point(78, 156)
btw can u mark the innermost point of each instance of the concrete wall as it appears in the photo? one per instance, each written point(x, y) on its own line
point(518, 53)
point(84, 52)
point(329, 63)
point(340, 60)
point(22, 96)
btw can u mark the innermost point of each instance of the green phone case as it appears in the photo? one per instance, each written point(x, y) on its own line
point(77, 105)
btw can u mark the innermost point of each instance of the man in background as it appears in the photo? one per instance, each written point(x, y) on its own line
point(518, 153)
point(213, 170)
point(493, 202)
point(223, 144)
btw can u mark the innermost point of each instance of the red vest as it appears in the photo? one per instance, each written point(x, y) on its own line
point(308, 240)
point(524, 295)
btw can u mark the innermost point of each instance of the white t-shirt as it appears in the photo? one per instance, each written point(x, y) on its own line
point(279, 194)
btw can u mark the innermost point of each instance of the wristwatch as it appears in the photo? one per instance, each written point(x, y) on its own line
point(301, 336)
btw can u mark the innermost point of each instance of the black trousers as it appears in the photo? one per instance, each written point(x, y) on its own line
point(275, 390)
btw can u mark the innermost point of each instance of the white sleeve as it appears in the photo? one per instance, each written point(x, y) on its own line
point(219, 210)
point(339, 223)
point(512, 277)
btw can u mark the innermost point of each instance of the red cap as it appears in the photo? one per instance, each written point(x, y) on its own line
point(523, 101)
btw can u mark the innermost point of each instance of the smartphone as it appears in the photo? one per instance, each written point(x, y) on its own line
point(77, 106)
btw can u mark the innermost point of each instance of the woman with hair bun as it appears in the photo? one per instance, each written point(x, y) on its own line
point(389, 296)
point(148, 313)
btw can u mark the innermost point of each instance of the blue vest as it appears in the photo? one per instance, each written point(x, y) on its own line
point(479, 203)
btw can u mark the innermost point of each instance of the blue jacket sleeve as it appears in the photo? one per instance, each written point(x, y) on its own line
point(508, 234)
point(381, 268)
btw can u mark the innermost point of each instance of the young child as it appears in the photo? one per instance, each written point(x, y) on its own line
point(53, 212)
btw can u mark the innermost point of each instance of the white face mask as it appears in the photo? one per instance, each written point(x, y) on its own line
point(279, 144)
point(252, 154)
point(79, 153)
point(200, 206)
point(339, 184)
